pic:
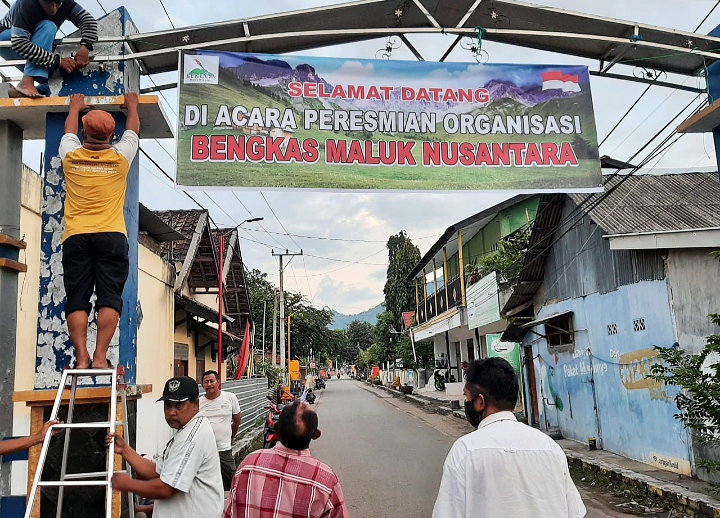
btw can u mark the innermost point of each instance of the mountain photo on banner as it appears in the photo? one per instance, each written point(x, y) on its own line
point(271, 121)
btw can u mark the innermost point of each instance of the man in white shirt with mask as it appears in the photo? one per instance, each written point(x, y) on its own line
point(223, 411)
point(504, 468)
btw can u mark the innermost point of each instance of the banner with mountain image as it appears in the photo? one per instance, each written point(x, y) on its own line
point(264, 121)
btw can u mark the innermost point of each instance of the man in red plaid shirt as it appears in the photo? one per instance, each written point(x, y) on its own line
point(286, 481)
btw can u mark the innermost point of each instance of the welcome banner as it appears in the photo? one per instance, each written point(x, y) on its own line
point(251, 120)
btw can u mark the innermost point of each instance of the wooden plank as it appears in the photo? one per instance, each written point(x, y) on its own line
point(36, 424)
point(9, 241)
point(703, 121)
point(192, 252)
point(9, 264)
point(86, 395)
point(31, 114)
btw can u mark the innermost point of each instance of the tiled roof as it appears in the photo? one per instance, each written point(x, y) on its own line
point(183, 221)
point(657, 203)
point(203, 274)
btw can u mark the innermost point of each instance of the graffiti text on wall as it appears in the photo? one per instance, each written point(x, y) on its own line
point(634, 369)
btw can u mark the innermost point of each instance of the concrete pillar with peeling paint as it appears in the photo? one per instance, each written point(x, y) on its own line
point(54, 349)
point(11, 137)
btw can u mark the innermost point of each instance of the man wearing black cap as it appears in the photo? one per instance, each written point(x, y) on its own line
point(185, 482)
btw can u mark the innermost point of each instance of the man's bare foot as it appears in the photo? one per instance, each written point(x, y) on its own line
point(82, 363)
point(26, 88)
point(97, 364)
point(14, 93)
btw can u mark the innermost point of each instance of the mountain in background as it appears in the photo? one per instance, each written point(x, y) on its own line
point(341, 321)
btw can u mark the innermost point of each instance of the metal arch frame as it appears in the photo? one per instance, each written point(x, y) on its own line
point(492, 34)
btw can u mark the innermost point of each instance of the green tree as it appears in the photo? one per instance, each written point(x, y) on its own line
point(698, 377)
point(424, 351)
point(386, 338)
point(360, 334)
point(403, 255)
point(309, 326)
point(338, 347)
point(261, 291)
point(507, 260)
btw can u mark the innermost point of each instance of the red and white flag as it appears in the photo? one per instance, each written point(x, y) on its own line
point(556, 80)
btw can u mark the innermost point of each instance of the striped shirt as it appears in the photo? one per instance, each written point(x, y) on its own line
point(23, 17)
point(284, 483)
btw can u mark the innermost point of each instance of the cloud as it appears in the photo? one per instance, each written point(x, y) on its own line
point(355, 296)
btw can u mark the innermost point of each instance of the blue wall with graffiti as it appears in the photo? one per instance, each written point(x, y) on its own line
point(614, 338)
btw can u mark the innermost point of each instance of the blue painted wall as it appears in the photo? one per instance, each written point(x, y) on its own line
point(54, 349)
point(634, 416)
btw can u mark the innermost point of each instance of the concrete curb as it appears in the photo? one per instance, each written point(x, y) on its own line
point(679, 498)
point(243, 445)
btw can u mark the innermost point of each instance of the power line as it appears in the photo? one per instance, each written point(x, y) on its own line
point(347, 240)
point(291, 238)
point(101, 6)
point(707, 16)
point(167, 14)
point(595, 202)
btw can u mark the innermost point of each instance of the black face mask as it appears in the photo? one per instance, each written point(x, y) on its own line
point(473, 416)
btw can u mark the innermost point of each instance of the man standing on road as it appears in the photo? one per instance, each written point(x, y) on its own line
point(504, 468)
point(223, 411)
point(95, 247)
point(286, 481)
point(31, 26)
point(186, 481)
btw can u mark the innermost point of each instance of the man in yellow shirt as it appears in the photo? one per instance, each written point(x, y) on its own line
point(95, 247)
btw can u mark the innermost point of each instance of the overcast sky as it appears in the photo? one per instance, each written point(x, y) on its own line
point(346, 269)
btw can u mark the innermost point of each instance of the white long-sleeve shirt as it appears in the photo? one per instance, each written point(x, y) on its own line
point(506, 468)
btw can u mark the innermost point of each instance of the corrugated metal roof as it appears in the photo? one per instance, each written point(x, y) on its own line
point(470, 227)
point(641, 203)
point(657, 203)
point(547, 219)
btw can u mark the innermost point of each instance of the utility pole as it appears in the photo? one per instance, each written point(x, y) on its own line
point(263, 341)
point(275, 315)
point(282, 300)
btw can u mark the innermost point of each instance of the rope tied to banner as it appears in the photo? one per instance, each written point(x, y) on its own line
point(711, 101)
point(480, 34)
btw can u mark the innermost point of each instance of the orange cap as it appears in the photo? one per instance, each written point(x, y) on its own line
point(98, 124)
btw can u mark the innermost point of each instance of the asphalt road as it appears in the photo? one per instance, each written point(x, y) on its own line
point(389, 454)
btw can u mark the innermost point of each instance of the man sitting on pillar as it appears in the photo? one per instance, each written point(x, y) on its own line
point(31, 26)
point(95, 247)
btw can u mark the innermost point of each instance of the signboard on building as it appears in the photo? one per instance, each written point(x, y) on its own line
point(262, 121)
point(483, 306)
point(294, 369)
point(508, 350)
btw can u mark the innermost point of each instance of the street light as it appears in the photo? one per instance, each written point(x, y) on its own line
point(220, 292)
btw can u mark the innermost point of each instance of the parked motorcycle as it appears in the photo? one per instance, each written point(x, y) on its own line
point(310, 397)
point(439, 380)
point(319, 383)
point(270, 435)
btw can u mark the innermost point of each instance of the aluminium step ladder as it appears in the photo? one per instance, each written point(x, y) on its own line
point(118, 384)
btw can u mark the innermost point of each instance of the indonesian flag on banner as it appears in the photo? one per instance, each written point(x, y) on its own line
point(556, 80)
point(409, 318)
